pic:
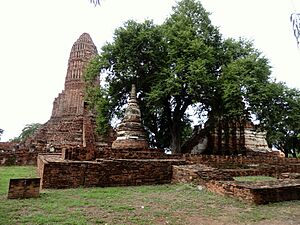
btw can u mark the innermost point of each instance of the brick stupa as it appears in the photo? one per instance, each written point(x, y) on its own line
point(71, 123)
point(130, 132)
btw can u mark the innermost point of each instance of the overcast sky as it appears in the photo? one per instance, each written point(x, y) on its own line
point(37, 36)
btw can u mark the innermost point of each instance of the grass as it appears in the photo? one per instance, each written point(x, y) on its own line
point(255, 178)
point(163, 204)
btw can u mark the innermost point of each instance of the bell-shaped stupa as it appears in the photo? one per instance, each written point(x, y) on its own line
point(130, 132)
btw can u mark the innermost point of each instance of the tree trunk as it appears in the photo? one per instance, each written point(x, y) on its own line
point(294, 153)
point(286, 152)
point(175, 144)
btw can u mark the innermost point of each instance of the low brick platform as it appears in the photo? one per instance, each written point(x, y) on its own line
point(24, 188)
point(58, 173)
point(221, 181)
point(262, 192)
point(199, 174)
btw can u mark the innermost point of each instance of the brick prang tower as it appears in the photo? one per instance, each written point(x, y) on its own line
point(71, 123)
point(70, 101)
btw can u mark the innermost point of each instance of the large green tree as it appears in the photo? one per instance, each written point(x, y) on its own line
point(180, 64)
point(238, 88)
point(279, 114)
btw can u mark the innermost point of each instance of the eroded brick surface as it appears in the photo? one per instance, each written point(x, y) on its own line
point(71, 124)
point(58, 173)
point(130, 132)
point(216, 174)
point(24, 188)
point(258, 192)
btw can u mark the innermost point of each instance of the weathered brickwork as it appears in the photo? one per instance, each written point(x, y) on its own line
point(58, 173)
point(227, 138)
point(238, 160)
point(199, 174)
point(109, 153)
point(204, 173)
point(130, 132)
point(71, 123)
point(24, 188)
point(258, 192)
point(18, 158)
point(217, 172)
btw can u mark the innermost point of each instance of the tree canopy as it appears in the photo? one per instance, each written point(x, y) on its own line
point(279, 114)
point(181, 64)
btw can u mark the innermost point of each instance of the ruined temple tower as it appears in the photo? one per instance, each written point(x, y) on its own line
point(130, 132)
point(71, 123)
point(70, 101)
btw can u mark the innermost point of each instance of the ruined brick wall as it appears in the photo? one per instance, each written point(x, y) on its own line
point(24, 188)
point(247, 166)
point(264, 170)
point(109, 153)
point(199, 174)
point(69, 174)
point(221, 181)
point(239, 160)
point(18, 159)
point(258, 192)
point(226, 138)
point(106, 152)
point(8, 146)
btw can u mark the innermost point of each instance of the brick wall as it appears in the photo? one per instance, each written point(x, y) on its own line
point(56, 173)
point(199, 174)
point(24, 188)
point(221, 181)
point(239, 160)
point(266, 170)
point(258, 192)
point(18, 159)
point(134, 154)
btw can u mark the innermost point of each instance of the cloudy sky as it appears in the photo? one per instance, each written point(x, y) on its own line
point(37, 36)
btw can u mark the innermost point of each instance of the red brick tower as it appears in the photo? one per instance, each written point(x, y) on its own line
point(70, 101)
point(71, 123)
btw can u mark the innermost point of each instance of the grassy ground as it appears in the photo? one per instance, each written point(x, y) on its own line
point(164, 204)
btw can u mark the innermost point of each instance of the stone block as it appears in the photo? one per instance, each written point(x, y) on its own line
point(24, 188)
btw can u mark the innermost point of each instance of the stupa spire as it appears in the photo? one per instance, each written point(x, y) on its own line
point(130, 132)
point(133, 93)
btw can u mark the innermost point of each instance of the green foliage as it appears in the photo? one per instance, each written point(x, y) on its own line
point(1, 132)
point(96, 97)
point(27, 131)
point(183, 62)
point(279, 114)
